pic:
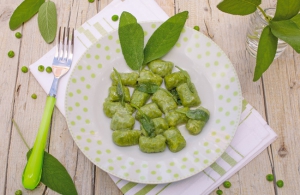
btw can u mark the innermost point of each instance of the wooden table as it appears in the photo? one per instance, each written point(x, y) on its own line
point(276, 96)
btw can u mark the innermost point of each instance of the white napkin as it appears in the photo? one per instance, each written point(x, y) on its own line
point(252, 137)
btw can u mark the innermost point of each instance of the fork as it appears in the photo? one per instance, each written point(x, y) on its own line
point(62, 62)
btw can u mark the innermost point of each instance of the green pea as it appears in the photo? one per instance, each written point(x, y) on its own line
point(197, 28)
point(91, 1)
point(49, 69)
point(18, 192)
point(270, 177)
point(41, 68)
point(24, 69)
point(280, 183)
point(34, 96)
point(227, 184)
point(115, 18)
point(18, 35)
point(219, 192)
point(11, 54)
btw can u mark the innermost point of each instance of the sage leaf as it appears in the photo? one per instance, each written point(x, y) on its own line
point(266, 51)
point(176, 96)
point(148, 125)
point(286, 9)
point(169, 94)
point(198, 114)
point(120, 90)
point(146, 122)
point(288, 31)
point(147, 88)
point(55, 176)
point(131, 37)
point(239, 7)
point(26, 10)
point(164, 37)
point(47, 21)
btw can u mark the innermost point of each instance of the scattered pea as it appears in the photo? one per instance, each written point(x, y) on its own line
point(219, 192)
point(197, 28)
point(227, 184)
point(115, 18)
point(18, 192)
point(41, 68)
point(11, 54)
point(280, 183)
point(270, 177)
point(49, 69)
point(18, 35)
point(91, 1)
point(33, 96)
point(24, 69)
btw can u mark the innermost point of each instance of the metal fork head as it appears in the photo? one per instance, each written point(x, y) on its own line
point(65, 48)
point(62, 60)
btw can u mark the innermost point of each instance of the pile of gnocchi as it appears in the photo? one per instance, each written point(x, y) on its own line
point(159, 110)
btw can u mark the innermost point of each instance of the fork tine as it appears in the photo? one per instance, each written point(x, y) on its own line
point(57, 44)
point(66, 42)
point(61, 46)
point(71, 46)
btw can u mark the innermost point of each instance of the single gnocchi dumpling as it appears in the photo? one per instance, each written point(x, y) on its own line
point(195, 126)
point(139, 98)
point(164, 100)
point(128, 79)
point(177, 117)
point(187, 97)
point(122, 121)
point(110, 108)
point(175, 141)
point(151, 110)
point(146, 77)
point(152, 144)
point(175, 79)
point(113, 95)
point(161, 67)
point(126, 137)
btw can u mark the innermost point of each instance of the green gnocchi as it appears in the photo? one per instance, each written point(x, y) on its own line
point(159, 110)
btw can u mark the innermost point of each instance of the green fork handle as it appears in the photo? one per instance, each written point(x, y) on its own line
point(33, 169)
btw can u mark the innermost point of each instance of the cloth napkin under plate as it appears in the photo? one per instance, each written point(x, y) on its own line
point(252, 136)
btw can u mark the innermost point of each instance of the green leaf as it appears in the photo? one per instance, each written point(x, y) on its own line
point(239, 7)
point(176, 96)
point(47, 21)
point(266, 51)
point(286, 9)
point(198, 114)
point(148, 125)
point(147, 88)
point(288, 31)
point(164, 37)
point(131, 37)
point(55, 176)
point(120, 90)
point(169, 93)
point(146, 122)
point(26, 10)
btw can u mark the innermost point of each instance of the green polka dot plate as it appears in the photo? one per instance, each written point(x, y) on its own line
point(216, 82)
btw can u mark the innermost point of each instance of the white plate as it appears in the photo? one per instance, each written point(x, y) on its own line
point(216, 82)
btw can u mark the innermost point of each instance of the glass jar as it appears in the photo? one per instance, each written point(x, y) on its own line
point(255, 28)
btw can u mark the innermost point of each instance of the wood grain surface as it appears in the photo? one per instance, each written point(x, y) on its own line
point(276, 97)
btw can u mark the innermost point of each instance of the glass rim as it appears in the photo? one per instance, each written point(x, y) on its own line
point(261, 16)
